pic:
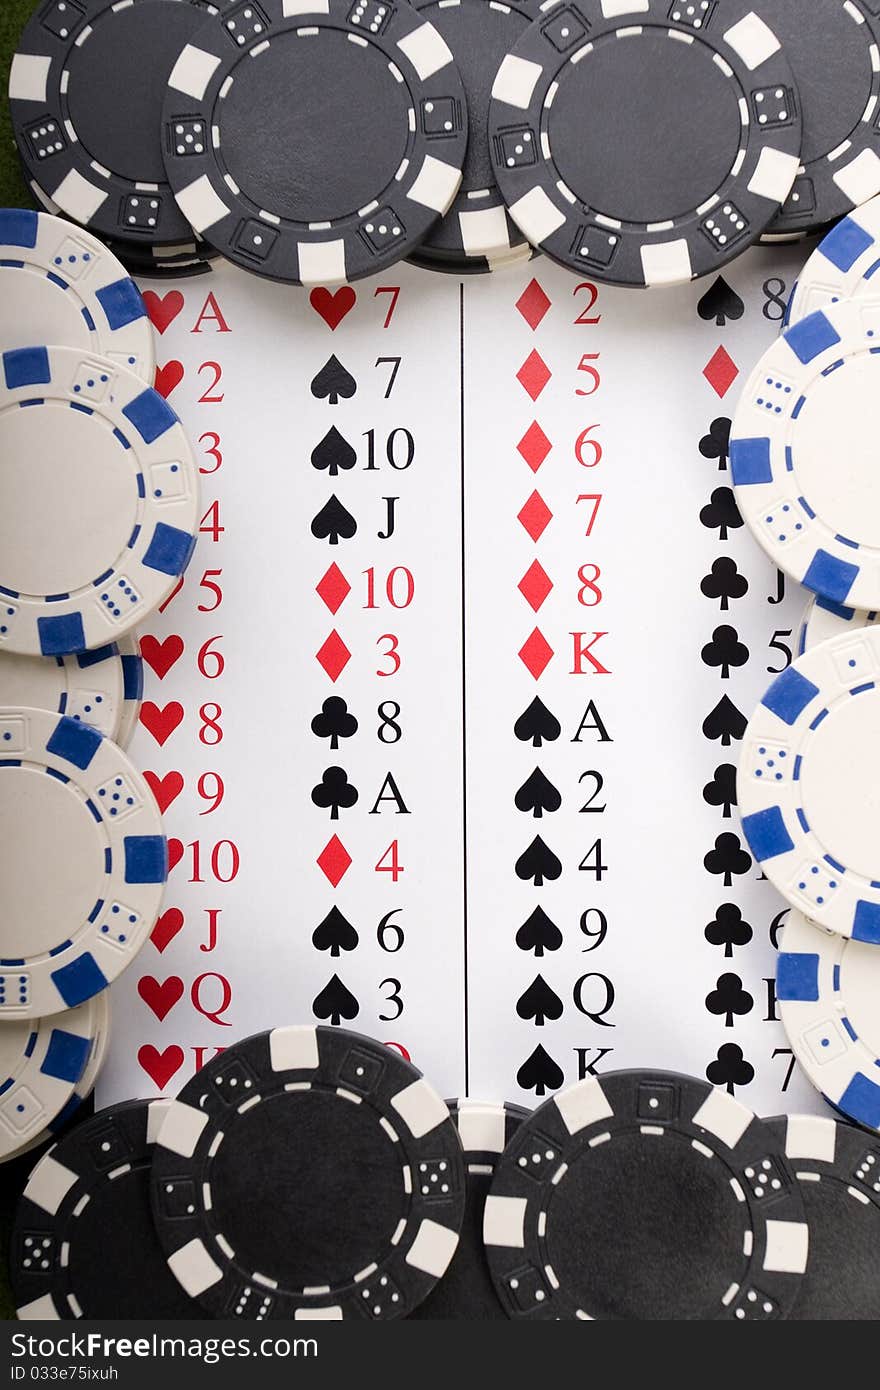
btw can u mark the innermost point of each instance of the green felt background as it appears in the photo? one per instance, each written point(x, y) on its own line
point(13, 189)
point(13, 193)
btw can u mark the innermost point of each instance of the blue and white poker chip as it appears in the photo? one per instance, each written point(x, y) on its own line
point(99, 1047)
point(824, 620)
point(98, 501)
point(803, 453)
point(83, 863)
point(41, 1062)
point(102, 687)
point(58, 284)
point(844, 265)
point(827, 989)
point(809, 784)
point(129, 648)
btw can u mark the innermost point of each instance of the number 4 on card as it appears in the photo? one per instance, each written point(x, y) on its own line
point(389, 862)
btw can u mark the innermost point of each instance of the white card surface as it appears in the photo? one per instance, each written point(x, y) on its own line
point(545, 477)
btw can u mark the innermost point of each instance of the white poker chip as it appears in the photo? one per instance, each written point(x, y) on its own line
point(97, 1056)
point(98, 501)
point(41, 1062)
point(809, 784)
point(843, 266)
point(828, 990)
point(58, 284)
point(100, 1046)
point(129, 648)
point(824, 620)
point(83, 862)
point(803, 453)
point(102, 687)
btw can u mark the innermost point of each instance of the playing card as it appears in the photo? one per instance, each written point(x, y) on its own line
point(445, 716)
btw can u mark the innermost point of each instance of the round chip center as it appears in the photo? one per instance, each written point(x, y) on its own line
point(860, 988)
point(332, 1177)
point(841, 1280)
point(315, 127)
point(52, 315)
point(840, 784)
point(117, 83)
point(645, 129)
point(836, 449)
point(68, 499)
point(115, 1261)
point(51, 862)
point(643, 1211)
point(833, 73)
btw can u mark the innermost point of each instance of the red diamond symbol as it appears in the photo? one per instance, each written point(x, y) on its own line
point(535, 585)
point(334, 861)
point(533, 375)
point(536, 653)
point(534, 446)
point(535, 516)
point(334, 656)
point(533, 304)
point(334, 588)
point(721, 372)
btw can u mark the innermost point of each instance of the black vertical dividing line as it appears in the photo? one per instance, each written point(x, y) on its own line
point(464, 769)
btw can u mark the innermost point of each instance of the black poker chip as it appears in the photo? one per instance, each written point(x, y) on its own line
point(470, 265)
point(177, 254)
point(838, 1168)
point(645, 1195)
point(83, 1242)
point(176, 267)
point(85, 92)
point(315, 146)
point(833, 50)
point(466, 1292)
point(646, 145)
point(182, 270)
point(174, 262)
point(477, 228)
point(309, 1173)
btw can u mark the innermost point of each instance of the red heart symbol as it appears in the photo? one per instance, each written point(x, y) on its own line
point(165, 789)
point(160, 1066)
point(166, 928)
point(168, 377)
point(333, 307)
point(161, 656)
point(161, 723)
point(160, 995)
point(163, 308)
point(175, 853)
